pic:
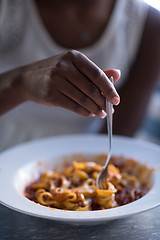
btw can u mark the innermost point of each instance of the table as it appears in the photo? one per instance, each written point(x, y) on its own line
point(18, 226)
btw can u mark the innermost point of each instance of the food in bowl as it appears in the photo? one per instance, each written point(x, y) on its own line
point(74, 188)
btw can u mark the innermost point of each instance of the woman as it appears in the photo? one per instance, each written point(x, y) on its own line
point(107, 34)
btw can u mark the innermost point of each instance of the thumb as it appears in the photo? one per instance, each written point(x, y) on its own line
point(116, 73)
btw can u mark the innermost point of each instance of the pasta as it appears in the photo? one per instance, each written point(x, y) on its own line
point(74, 188)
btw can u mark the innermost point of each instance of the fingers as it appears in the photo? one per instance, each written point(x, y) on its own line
point(97, 76)
point(81, 82)
point(74, 93)
point(82, 87)
point(72, 81)
point(73, 106)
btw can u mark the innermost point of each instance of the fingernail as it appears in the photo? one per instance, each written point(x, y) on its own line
point(118, 70)
point(115, 100)
point(102, 114)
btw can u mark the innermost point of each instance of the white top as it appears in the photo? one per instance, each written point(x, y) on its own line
point(24, 39)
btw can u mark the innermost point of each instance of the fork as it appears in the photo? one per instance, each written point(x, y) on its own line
point(102, 176)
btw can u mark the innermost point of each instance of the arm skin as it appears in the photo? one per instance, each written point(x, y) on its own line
point(69, 80)
point(11, 90)
point(142, 80)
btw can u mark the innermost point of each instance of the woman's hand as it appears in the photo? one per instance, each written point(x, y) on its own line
point(71, 81)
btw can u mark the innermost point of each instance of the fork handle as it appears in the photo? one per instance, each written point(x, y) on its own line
point(109, 108)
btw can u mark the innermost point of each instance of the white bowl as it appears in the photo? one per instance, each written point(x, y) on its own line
point(22, 163)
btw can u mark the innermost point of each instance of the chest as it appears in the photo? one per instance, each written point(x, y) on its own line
point(73, 24)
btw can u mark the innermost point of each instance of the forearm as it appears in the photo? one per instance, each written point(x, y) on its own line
point(11, 90)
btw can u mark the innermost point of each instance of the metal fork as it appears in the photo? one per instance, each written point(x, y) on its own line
point(102, 176)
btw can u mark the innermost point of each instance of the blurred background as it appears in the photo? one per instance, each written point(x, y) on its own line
point(153, 3)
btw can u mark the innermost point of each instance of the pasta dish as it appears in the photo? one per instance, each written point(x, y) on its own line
point(74, 188)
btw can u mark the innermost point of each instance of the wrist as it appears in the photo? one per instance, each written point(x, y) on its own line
point(17, 85)
point(11, 90)
point(20, 86)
